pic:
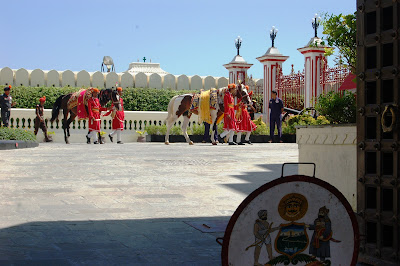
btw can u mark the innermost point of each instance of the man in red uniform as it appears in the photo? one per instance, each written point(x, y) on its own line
point(39, 119)
point(229, 115)
point(244, 122)
point(94, 109)
point(118, 119)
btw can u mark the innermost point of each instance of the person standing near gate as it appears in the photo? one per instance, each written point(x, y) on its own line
point(275, 117)
point(5, 105)
point(39, 119)
point(118, 119)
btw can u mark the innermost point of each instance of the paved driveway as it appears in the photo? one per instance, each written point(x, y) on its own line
point(136, 204)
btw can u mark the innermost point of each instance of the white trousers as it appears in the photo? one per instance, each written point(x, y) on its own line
point(93, 135)
point(118, 132)
point(228, 132)
point(239, 136)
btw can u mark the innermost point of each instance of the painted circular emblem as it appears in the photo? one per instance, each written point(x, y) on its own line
point(293, 220)
point(293, 207)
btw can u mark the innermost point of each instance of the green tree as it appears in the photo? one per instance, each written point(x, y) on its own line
point(340, 31)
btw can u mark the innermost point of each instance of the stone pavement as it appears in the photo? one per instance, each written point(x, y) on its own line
point(131, 204)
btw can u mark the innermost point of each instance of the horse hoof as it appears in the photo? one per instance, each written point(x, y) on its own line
point(214, 143)
point(167, 143)
point(191, 143)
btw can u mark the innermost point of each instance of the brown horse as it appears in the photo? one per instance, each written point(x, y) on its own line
point(181, 104)
point(61, 103)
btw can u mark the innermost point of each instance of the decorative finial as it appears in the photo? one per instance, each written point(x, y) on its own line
point(144, 59)
point(238, 43)
point(272, 34)
point(315, 22)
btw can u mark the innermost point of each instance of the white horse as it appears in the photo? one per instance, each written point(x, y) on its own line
point(180, 105)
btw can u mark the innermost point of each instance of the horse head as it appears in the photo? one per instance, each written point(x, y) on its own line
point(241, 92)
point(109, 95)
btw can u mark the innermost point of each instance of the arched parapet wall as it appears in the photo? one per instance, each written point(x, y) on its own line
point(53, 79)
point(127, 80)
point(183, 83)
point(169, 82)
point(222, 82)
point(21, 77)
point(155, 81)
point(111, 80)
point(6, 76)
point(97, 80)
point(68, 79)
point(141, 80)
point(83, 79)
point(196, 83)
point(209, 82)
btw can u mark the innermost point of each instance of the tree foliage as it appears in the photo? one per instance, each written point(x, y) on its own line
point(340, 31)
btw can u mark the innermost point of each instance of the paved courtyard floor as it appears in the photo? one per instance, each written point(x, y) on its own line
point(131, 204)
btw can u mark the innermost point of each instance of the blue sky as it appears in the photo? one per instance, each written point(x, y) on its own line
point(184, 36)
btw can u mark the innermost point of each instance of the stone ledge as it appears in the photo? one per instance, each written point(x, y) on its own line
point(17, 144)
point(327, 134)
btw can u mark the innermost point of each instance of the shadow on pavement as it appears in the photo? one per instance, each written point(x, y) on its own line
point(256, 179)
point(172, 241)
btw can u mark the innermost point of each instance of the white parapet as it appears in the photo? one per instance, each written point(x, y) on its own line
point(6, 76)
point(127, 80)
point(183, 83)
point(209, 82)
point(98, 80)
point(222, 82)
point(196, 83)
point(37, 78)
point(141, 80)
point(21, 77)
point(112, 78)
point(155, 81)
point(169, 82)
point(333, 149)
point(53, 79)
point(68, 79)
point(83, 79)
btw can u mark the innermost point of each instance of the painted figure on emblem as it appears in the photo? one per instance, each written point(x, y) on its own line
point(320, 240)
point(262, 230)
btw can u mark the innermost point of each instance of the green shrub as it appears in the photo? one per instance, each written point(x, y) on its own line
point(135, 99)
point(262, 128)
point(16, 134)
point(197, 129)
point(289, 127)
point(337, 107)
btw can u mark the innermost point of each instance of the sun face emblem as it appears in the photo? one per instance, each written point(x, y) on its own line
point(293, 207)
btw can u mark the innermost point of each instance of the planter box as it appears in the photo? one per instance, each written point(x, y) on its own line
point(199, 138)
point(173, 138)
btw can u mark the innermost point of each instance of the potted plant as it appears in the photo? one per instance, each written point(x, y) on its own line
point(141, 137)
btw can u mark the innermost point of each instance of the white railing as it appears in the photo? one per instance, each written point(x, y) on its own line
point(134, 121)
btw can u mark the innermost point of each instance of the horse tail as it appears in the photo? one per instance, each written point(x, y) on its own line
point(171, 107)
point(56, 109)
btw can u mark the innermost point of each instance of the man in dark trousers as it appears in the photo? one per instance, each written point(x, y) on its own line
point(207, 137)
point(39, 119)
point(275, 117)
point(5, 105)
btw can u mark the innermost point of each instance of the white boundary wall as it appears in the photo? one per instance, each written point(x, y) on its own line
point(54, 78)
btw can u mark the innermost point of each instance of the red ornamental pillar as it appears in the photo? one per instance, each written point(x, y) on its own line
point(271, 60)
point(313, 70)
point(237, 69)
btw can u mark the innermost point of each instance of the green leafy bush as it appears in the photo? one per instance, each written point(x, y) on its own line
point(162, 130)
point(337, 107)
point(262, 128)
point(289, 127)
point(16, 134)
point(197, 129)
point(135, 99)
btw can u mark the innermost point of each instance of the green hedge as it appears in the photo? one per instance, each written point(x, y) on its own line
point(135, 99)
point(16, 134)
